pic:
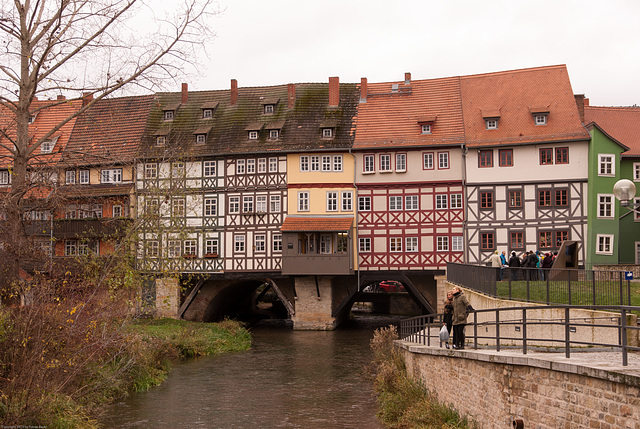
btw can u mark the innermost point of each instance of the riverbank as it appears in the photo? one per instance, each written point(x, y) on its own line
point(69, 389)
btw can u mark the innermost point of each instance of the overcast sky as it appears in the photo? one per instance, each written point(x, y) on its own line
point(290, 41)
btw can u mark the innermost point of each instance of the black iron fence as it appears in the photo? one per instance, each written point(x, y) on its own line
point(548, 286)
point(571, 328)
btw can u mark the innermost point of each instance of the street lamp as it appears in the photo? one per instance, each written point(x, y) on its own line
point(624, 190)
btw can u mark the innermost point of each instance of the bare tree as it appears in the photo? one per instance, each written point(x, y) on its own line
point(89, 49)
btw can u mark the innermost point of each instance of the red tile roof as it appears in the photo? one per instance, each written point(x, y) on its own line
point(314, 224)
point(513, 96)
point(621, 123)
point(393, 118)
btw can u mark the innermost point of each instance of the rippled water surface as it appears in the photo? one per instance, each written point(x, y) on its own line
point(290, 379)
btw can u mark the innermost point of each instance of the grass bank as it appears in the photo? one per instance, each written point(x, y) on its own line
point(403, 402)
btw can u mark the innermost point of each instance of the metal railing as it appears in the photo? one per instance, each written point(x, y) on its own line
point(547, 286)
point(519, 328)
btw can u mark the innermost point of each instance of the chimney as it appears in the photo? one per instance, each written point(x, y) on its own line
point(334, 91)
point(234, 92)
point(363, 90)
point(61, 97)
point(185, 93)
point(581, 102)
point(86, 98)
point(291, 95)
point(407, 78)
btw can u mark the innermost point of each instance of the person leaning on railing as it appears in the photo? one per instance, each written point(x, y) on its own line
point(461, 309)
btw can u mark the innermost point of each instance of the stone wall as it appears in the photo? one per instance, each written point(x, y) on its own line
point(495, 389)
point(313, 304)
point(167, 297)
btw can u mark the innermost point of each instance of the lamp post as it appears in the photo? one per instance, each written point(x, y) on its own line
point(624, 190)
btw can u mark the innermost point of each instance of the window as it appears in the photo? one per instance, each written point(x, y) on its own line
point(238, 243)
point(636, 171)
point(411, 244)
point(540, 119)
point(168, 115)
point(605, 205)
point(456, 243)
point(544, 198)
point(116, 210)
point(332, 201)
point(516, 240)
point(426, 129)
point(327, 133)
point(261, 203)
point(364, 244)
point(210, 207)
point(315, 163)
point(150, 170)
point(486, 200)
point(240, 166)
point(152, 249)
point(161, 140)
point(443, 160)
point(442, 244)
point(604, 244)
point(274, 134)
point(85, 247)
point(505, 157)
point(274, 204)
point(491, 124)
point(304, 163)
point(207, 113)
point(84, 177)
point(247, 204)
point(174, 248)
point(606, 165)
point(562, 199)
point(364, 204)
point(70, 247)
point(262, 165)
point(269, 109)
point(211, 246)
point(177, 170)
point(201, 138)
point(385, 163)
point(113, 175)
point(209, 168)
point(273, 165)
point(441, 201)
point(326, 163)
point(545, 240)
point(70, 177)
point(234, 205)
point(456, 201)
point(395, 244)
point(369, 164)
point(48, 145)
point(487, 241)
point(395, 203)
point(636, 214)
point(562, 155)
point(427, 161)
point(326, 244)
point(401, 162)
point(277, 242)
point(562, 235)
point(337, 162)
point(411, 202)
point(260, 243)
point(303, 201)
point(253, 135)
point(485, 158)
point(515, 199)
point(177, 207)
point(347, 201)
point(546, 156)
point(251, 166)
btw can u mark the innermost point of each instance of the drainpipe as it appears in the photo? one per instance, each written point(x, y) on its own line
point(355, 206)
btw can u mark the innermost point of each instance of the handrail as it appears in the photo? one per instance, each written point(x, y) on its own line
point(421, 329)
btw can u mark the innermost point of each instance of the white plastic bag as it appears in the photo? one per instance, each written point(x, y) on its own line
point(444, 334)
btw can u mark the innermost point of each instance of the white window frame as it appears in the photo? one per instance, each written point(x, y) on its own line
point(201, 138)
point(152, 249)
point(269, 109)
point(455, 201)
point(304, 163)
point(411, 202)
point(48, 145)
point(401, 162)
point(251, 166)
point(443, 160)
point(70, 177)
point(261, 203)
point(241, 166)
point(491, 124)
point(395, 203)
point(70, 247)
point(315, 163)
point(442, 202)
point(411, 244)
point(427, 161)
point(161, 140)
point(5, 177)
point(111, 175)
point(210, 206)
point(253, 135)
point(209, 168)
point(385, 163)
point(262, 165)
point(247, 204)
point(260, 243)
point(84, 177)
point(457, 243)
point(169, 115)
point(369, 164)
point(364, 244)
point(608, 162)
point(274, 203)
point(337, 163)
point(395, 244)
point(178, 170)
point(364, 204)
point(540, 119)
point(178, 207)
point(276, 243)
point(234, 205)
point(273, 165)
point(239, 243)
point(303, 201)
point(211, 246)
point(150, 170)
point(326, 163)
point(190, 247)
point(605, 202)
point(332, 201)
point(207, 113)
point(174, 249)
point(604, 244)
point(327, 133)
point(425, 129)
point(442, 243)
point(346, 201)
point(116, 210)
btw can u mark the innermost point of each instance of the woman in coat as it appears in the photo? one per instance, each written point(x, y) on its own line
point(461, 308)
point(447, 318)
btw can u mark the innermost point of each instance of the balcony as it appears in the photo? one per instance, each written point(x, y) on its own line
point(316, 264)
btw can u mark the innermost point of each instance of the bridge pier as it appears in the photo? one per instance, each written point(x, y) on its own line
point(314, 304)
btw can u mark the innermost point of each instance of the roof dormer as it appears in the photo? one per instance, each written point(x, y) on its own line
point(208, 109)
point(169, 111)
point(539, 114)
point(269, 106)
point(426, 124)
point(491, 118)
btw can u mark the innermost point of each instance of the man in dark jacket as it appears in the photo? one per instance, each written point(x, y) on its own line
point(461, 308)
point(514, 264)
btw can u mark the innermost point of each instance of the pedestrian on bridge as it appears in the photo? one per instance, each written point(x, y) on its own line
point(447, 318)
point(461, 308)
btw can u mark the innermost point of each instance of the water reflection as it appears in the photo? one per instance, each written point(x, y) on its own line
point(290, 379)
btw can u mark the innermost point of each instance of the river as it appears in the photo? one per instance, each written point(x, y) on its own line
point(289, 379)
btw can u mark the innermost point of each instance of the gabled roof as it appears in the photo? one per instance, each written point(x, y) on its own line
point(393, 118)
point(109, 132)
point(51, 113)
point(514, 97)
point(621, 123)
point(300, 125)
